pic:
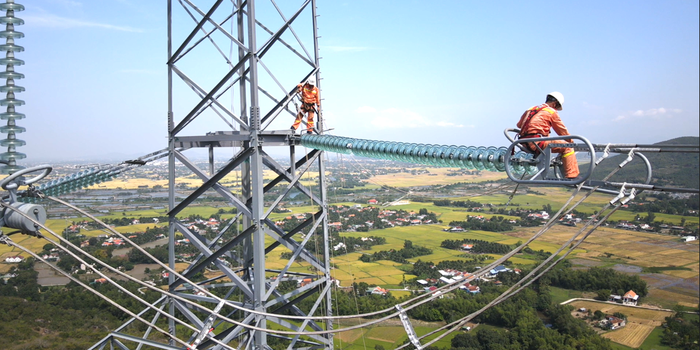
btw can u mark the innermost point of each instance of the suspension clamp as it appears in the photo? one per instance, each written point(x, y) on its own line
point(630, 156)
point(33, 192)
point(619, 195)
point(5, 240)
point(409, 328)
point(207, 327)
point(633, 192)
point(606, 153)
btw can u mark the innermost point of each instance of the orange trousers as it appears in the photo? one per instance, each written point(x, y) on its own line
point(568, 157)
point(309, 110)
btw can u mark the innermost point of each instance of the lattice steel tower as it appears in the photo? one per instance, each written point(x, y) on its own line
point(225, 62)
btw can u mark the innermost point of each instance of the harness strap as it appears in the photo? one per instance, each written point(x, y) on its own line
point(531, 113)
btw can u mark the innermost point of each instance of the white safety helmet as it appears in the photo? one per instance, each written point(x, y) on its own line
point(311, 81)
point(559, 97)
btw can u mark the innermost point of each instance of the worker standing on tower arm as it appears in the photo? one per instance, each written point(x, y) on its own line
point(537, 121)
point(310, 101)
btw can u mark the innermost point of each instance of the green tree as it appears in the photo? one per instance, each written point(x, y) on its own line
point(650, 218)
point(598, 315)
point(620, 315)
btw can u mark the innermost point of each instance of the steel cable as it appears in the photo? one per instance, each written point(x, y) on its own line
point(505, 295)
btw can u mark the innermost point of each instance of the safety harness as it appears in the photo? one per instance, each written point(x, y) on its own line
point(530, 145)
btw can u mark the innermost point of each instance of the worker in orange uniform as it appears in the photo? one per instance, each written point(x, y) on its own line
point(310, 98)
point(537, 121)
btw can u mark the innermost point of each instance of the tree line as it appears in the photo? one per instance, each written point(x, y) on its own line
point(596, 279)
point(401, 256)
point(494, 224)
point(63, 317)
point(478, 246)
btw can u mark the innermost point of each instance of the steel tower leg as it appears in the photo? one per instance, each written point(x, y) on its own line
point(245, 97)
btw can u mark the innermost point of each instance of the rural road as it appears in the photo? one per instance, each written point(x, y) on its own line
point(618, 304)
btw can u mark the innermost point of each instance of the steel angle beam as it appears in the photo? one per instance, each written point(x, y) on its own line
point(228, 334)
point(270, 42)
point(212, 102)
point(284, 102)
point(282, 173)
point(222, 191)
point(175, 56)
point(311, 323)
point(196, 241)
point(114, 337)
point(314, 219)
point(186, 310)
point(251, 133)
point(213, 256)
point(294, 245)
point(285, 174)
point(191, 115)
point(295, 327)
point(294, 182)
point(212, 181)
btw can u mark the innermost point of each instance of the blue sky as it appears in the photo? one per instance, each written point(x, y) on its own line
point(445, 72)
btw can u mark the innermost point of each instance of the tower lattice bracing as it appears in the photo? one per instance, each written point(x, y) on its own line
point(233, 69)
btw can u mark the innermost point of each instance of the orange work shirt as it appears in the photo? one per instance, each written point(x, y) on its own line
point(542, 121)
point(309, 94)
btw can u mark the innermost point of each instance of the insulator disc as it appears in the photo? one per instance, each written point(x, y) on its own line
point(9, 142)
point(11, 47)
point(13, 88)
point(11, 75)
point(11, 34)
point(11, 102)
point(11, 20)
point(11, 115)
point(477, 157)
point(470, 156)
point(487, 158)
point(12, 156)
point(11, 6)
point(500, 161)
point(12, 128)
point(11, 60)
point(9, 169)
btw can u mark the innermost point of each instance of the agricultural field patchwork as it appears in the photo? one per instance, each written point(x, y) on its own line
point(623, 250)
point(640, 322)
point(436, 176)
point(632, 335)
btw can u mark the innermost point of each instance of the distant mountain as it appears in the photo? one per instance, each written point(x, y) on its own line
point(669, 169)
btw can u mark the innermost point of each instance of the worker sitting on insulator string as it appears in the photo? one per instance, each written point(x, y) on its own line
point(310, 99)
point(537, 122)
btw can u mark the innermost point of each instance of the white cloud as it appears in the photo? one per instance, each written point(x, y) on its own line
point(653, 113)
point(396, 118)
point(345, 48)
point(53, 21)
